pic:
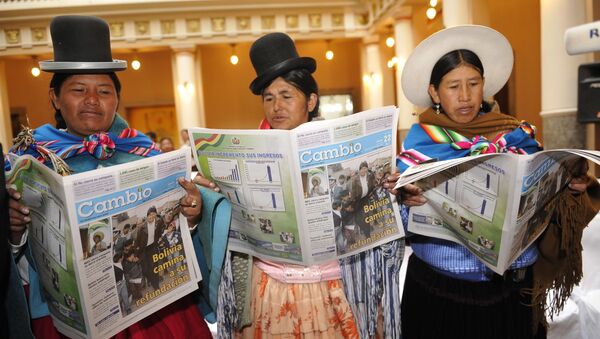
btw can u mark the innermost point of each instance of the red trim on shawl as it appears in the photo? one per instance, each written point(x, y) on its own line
point(264, 124)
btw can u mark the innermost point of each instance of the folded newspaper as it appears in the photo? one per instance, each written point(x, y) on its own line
point(309, 194)
point(495, 205)
point(110, 245)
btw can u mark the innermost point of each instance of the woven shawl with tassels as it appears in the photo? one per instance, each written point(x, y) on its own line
point(65, 152)
point(559, 265)
point(558, 268)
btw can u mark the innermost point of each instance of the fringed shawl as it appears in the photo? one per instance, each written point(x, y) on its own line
point(66, 153)
point(559, 265)
point(437, 137)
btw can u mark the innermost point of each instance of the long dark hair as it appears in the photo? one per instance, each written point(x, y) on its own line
point(452, 60)
point(56, 84)
point(305, 83)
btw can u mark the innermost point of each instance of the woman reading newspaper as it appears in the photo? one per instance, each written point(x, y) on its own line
point(448, 288)
point(85, 93)
point(319, 301)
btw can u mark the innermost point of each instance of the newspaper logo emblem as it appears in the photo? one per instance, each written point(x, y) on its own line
point(340, 151)
point(88, 208)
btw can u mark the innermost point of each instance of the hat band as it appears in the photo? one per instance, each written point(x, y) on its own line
point(82, 65)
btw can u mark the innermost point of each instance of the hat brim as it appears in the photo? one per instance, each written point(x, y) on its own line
point(283, 67)
point(100, 234)
point(77, 67)
point(492, 48)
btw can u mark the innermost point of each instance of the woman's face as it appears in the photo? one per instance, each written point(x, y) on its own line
point(363, 171)
point(88, 103)
point(285, 106)
point(166, 145)
point(460, 93)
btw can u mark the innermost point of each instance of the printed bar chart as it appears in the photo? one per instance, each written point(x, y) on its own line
point(267, 199)
point(262, 172)
point(225, 170)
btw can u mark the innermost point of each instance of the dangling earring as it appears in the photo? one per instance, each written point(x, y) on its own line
point(437, 108)
point(481, 107)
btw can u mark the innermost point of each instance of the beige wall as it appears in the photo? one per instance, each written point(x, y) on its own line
point(151, 85)
point(519, 21)
point(343, 73)
point(25, 91)
point(228, 101)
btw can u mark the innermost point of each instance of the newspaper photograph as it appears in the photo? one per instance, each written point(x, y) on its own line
point(110, 245)
point(309, 194)
point(496, 205)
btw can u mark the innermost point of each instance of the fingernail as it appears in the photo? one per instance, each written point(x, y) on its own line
point(17, 195)
point(27, 219)
point(25, 210)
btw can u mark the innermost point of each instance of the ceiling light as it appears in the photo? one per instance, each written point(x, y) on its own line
point(390, 42)
point(431, 13)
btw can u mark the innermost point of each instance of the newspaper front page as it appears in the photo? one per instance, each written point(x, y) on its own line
point(496, 205)
point(110, 245)
point(310, 194)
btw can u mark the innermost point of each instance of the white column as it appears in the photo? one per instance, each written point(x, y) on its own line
point(404, 45)
point(559, 74)
point(559, 70)
point(457, 12)
point(189, 102)
point(5, 124)
point(372, 75)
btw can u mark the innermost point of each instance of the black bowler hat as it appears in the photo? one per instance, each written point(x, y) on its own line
point(81, 45)
point(273, 55)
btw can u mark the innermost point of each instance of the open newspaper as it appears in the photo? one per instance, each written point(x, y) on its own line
point(110, 245)
point(496, 205)
point(309, 194)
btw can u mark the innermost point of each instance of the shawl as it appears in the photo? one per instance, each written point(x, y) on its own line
point(210, 244)
point(559, 267)
point(437, 137)
point(62, 150)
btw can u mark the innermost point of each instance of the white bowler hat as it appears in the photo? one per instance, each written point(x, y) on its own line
point(492, 48)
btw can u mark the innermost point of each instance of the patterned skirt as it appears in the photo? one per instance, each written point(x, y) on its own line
point(312, 310)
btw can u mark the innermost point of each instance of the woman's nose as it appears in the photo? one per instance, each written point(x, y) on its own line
point(465, 94)
point(91, 99)
point(276, 104)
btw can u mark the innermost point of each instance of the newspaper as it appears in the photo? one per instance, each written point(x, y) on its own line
point(101, 266)
point(298, 195)
point(495, 205)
